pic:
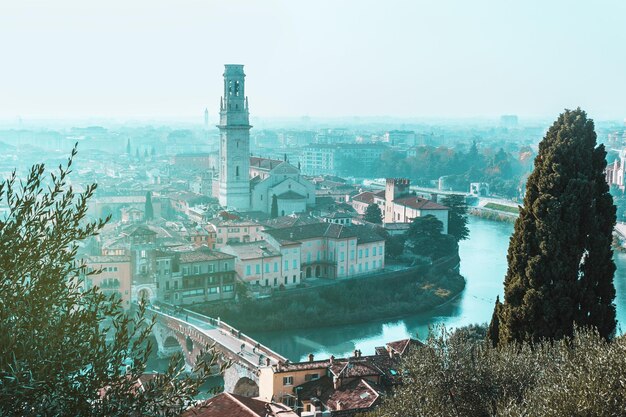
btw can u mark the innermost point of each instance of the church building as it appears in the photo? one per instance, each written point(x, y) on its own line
point(250, 183)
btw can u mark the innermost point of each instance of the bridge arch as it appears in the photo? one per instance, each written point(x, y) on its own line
point(246, 387)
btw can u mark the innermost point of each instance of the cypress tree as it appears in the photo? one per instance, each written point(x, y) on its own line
point(274, 210)
point(560, 268)
point(373, 214)
point(494, 327)
point(148, 209)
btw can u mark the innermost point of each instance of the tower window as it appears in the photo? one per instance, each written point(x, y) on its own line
point(237, 171)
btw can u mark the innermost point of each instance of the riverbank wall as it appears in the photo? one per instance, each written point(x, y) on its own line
point(495, 215)
point(354, 301)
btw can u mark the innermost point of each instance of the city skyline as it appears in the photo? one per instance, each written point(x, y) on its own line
point(323, 60)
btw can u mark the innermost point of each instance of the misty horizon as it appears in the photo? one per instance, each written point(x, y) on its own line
point(417, 60)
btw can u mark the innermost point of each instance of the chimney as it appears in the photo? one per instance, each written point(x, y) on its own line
point(336, 382)
point(279, 366)
point(338, 405)
point(389, 351)
point(311, 357)
point(356, 353)
point(267, 361)
point(332, 359)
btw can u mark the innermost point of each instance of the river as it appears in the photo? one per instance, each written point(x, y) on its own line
point(483, 264)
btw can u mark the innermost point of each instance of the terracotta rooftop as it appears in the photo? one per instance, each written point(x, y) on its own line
point(232, 405)
point(290, 195)
point(364, 197)
point(264, 163)
point(357, 394)
point(419, 203)
point(327, 230)
point(202, 254)
point(252, 250)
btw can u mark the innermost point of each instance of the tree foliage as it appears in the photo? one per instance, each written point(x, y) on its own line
point(456, 376)
point(425, 238)
point(560, 267)
point(274, 208)
point(457, 216)
point(55, 357)
point(148, 212)
point(373, 214)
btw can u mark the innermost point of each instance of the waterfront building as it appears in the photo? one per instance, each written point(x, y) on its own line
point(402, 207)
point(614, 172)
point(262, 264)
point(192, 276)
point(331, 250)
point(349, 385)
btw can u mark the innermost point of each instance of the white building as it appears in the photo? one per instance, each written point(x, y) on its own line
point(281, 179)
point(234, 160)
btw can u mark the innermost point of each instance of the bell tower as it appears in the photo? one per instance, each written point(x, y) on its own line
point(234, 181)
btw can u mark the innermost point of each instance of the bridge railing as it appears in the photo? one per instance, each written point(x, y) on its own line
point(179, 311)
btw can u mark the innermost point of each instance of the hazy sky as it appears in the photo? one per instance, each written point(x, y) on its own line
point(152, 58)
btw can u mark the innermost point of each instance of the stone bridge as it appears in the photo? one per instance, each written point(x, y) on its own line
point(179, 329)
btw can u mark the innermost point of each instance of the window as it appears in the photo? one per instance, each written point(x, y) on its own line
point(267, 267)
point(288, 380)
point(248, 270)
point(367, 252)
point(374, 251)
point(175, 285)
point(295, 263)
point(213, 290)
point(275, 266)
point(286, 265)
point(352, 254)
point(228, 288)
point(294, 279)
point(311, 377)
point(196, 269)
point(286, 280)
point(167, 285)
point(341, 270)
point(308, 257)
point(185, 270)
point(143, 253)
point(258, 268)
point(267, 282)
point(225, 266)
point(275, 281)
point(360, 253)
point(318, 255)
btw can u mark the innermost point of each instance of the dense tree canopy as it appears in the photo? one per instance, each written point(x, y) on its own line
point(425, 238)
point(457, 216)
point(55, 358)
point(373, 214)
point(455, 375)
point(560, 267)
